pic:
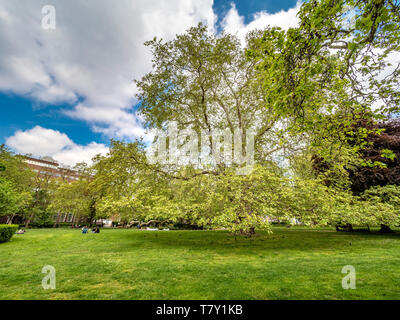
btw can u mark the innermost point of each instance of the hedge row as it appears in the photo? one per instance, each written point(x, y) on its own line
point(7, 231)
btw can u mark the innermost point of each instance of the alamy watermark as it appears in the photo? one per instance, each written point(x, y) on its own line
point(49, 281)
point(49, 17)
point(349, 281)
point(205, 149)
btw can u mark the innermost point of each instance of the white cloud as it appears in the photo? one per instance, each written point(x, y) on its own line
point(78, 153)
point(92, 57)
point(234, 23)
point(39, 141)
point(96, 51)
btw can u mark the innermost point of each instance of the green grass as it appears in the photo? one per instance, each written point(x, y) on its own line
point(129, 264)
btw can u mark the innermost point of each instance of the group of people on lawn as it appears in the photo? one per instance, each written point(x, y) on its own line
point(94, 230)
point(84, 230)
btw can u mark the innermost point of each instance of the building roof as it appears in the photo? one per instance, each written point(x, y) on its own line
point(45, 160)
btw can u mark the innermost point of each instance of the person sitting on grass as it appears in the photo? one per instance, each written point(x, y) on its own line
point(84, 230)
point(96, 230)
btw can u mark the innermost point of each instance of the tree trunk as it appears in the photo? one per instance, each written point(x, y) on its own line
point(248, 232)
point(10, 219)
point(92, 212)
point(57, 221)
point(385, 229)
point(27, 222)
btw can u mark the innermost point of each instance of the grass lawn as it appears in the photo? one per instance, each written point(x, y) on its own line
point(294, 263)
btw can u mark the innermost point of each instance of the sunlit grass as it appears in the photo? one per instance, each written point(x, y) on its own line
point(129, 264)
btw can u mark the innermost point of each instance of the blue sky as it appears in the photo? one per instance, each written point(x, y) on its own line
point(247, 8)
point(19, 112)
point(66, 92)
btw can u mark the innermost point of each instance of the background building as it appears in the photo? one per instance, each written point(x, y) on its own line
point(48, 167)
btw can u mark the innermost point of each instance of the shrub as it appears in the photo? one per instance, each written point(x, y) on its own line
point(7, 231)
point(41, 224)
point(64, 225)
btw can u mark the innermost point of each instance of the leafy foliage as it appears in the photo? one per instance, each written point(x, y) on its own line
point(15, 181)
point(383, 150)
point(313, 96)
point(11, 200)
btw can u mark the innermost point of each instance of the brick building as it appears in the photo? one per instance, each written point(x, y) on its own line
point(48, 167)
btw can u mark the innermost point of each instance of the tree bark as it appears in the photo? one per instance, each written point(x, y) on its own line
point(10, 219)
point(73, 221)
point(27, 222)
point(385, 229)
point(248, 232)
point(57, 221)
point(92, 214)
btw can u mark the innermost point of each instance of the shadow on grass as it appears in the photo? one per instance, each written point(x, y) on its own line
point(281, 239)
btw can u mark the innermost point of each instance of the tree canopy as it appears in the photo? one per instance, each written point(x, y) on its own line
point(313, 101)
